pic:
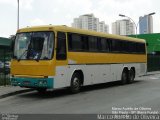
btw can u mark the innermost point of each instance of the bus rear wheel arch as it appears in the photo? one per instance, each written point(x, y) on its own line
point(76, 82)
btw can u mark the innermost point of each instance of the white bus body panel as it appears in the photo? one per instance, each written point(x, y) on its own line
point(94, 74)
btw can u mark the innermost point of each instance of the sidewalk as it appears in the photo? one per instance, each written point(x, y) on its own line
point(152, 73)
point(6, 91)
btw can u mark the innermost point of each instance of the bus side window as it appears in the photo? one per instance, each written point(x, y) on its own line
point(61, 46)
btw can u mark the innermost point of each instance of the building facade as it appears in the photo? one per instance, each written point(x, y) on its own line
point(145, 24)
point(123, 27)
point(103, 27)
point(116, 28)
point(90, 22)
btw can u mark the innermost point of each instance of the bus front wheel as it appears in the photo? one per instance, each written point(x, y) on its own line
point(75, 83)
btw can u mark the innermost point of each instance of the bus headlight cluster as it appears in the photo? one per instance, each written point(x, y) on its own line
point(14, 81)
point(42, 83)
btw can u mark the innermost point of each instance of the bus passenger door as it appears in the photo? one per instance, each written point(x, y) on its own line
point(61, 60)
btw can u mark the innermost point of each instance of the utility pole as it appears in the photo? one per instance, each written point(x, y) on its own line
point(18, 15)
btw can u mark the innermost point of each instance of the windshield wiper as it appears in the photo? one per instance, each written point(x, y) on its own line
point(37, 57)
point(22, 55)
point(27, 49)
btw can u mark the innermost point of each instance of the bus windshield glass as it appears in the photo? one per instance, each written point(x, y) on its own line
point(34, 45)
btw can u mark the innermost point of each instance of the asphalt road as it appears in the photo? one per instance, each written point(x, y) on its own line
point(143, 93)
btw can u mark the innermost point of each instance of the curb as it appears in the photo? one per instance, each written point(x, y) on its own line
point(152, 74)
point(15, 93)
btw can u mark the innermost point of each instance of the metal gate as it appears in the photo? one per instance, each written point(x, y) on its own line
point(153, 62)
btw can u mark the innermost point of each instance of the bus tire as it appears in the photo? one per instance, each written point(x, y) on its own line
point(75, 85)
point(131, 76)
point(124, 77)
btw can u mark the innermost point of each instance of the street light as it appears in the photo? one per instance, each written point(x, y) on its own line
point(136, 25)
point(122, 15)
point(152, 13)
point(18, 15)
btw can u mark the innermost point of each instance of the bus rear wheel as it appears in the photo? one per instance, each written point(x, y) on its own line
point(75, 85)
point(131, 76)
point(124, 77)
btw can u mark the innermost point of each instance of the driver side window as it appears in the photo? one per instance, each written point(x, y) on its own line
point(61, 46)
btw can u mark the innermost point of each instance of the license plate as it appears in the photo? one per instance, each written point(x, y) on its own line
point(26, 83)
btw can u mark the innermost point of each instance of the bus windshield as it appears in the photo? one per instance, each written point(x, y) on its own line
point(34, 45)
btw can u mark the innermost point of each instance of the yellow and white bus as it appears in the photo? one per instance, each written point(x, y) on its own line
point(50, 57)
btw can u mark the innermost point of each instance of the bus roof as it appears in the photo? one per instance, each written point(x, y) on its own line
point(75, 30)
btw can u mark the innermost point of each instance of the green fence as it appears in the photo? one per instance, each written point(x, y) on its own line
point(153, 63)
point(5, 57)
point(4, 79)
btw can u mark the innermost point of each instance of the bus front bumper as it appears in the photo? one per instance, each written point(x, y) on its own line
point(33, 82)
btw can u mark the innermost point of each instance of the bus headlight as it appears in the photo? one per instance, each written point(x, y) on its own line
point(45, 82)
point(42, 83)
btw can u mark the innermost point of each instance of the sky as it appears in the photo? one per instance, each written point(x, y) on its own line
point(62, 12)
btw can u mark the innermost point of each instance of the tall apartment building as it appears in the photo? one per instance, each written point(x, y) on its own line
point(116, 28)
point(103, 27)
point(123, 27)
point(145, 24)
point(90, 22)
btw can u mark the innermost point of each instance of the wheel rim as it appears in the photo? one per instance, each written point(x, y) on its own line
point(76, 83)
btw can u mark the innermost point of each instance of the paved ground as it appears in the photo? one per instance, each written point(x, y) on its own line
point(144, 93)
point(6, 91)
